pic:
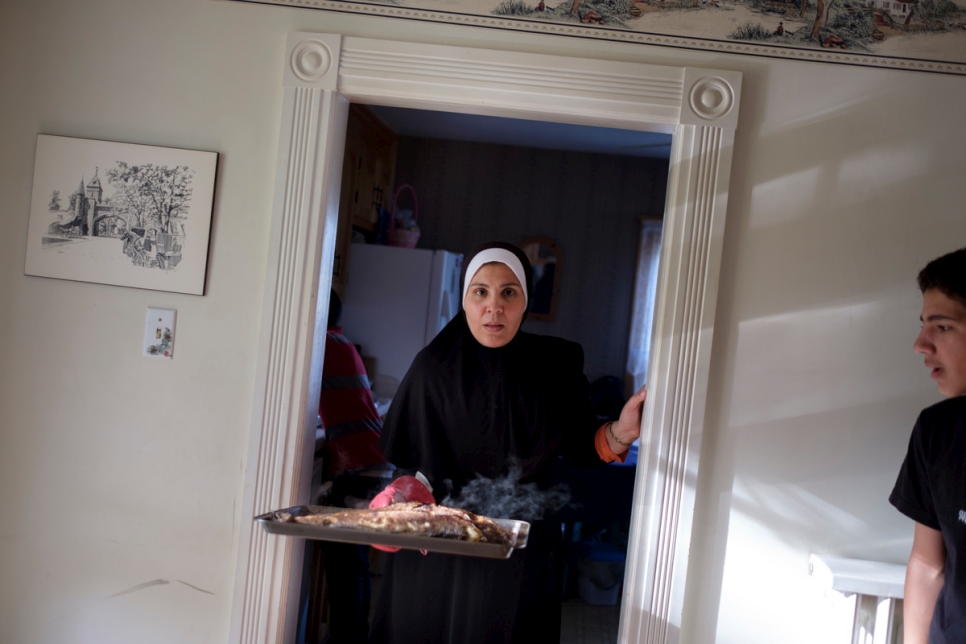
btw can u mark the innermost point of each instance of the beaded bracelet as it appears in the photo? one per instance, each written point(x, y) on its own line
point(610, 428)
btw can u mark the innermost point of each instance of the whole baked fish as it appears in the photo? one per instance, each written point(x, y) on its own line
point(416, 519)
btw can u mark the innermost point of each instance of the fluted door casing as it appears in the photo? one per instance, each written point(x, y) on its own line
point(322, 74)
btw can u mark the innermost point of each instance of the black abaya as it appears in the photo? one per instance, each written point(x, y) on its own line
point(465, 411)
point(448, 599)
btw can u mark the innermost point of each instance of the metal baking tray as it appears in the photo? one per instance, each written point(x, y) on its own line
point(274, 523)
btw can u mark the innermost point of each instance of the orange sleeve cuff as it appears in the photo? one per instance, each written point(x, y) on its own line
point(603, 449)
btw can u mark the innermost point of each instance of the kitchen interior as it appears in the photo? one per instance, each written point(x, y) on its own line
point(421, 189)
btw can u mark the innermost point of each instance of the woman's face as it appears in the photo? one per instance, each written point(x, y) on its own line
point(495, 303)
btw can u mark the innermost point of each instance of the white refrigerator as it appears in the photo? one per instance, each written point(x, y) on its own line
point(396, 301)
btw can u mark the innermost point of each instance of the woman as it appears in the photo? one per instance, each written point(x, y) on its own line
point(481, 398)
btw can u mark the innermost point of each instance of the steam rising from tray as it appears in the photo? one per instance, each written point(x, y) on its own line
point(506, 498)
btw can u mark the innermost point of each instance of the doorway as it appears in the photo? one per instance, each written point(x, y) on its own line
point(477, 177)
point(322, 74)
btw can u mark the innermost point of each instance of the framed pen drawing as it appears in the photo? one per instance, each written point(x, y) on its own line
point(120, 214)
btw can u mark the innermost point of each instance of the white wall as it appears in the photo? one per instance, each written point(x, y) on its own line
point(846, 182)
point(120, 475)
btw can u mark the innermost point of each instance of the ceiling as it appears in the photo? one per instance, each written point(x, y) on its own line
point(535, 134)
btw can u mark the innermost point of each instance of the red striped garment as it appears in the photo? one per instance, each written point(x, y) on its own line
point(346, 408)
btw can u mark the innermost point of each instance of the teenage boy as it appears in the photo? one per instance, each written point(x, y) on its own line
point(931, 487)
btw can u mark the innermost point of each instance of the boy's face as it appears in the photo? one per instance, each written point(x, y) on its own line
point(942, 340)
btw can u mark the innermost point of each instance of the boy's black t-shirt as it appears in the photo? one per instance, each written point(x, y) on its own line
point(931, 490)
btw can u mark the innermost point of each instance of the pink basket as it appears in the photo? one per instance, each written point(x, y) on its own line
point(398, 236)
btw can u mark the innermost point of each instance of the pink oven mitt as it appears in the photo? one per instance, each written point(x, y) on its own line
point(404, 489)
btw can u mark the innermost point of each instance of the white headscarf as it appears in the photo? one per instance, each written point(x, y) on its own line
point(502, 256)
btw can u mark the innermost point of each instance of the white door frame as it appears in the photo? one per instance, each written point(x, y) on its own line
point(323, 73)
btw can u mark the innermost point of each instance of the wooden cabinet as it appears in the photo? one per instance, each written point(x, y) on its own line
point(368, 172)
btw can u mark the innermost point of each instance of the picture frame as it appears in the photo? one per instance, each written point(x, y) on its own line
point(122, 214)
point(545, 264)
point(915, 35)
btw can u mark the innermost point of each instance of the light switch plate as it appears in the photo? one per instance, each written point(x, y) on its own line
point(159, 333)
